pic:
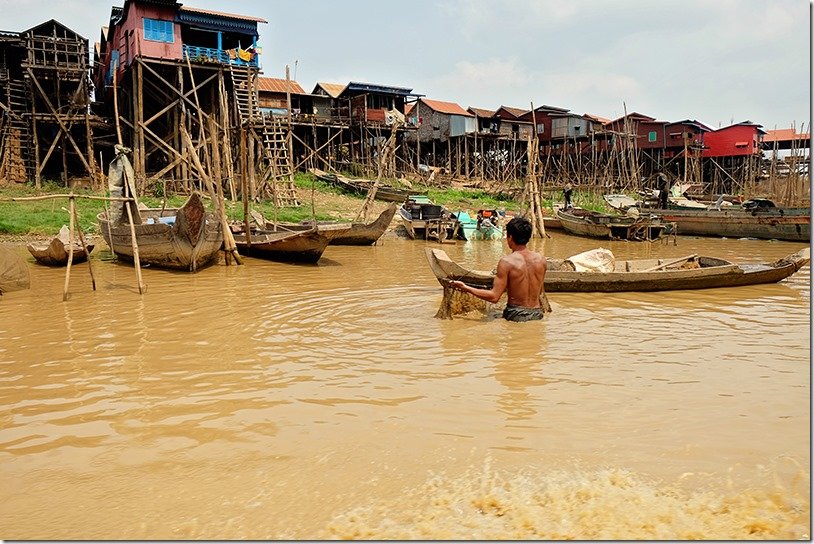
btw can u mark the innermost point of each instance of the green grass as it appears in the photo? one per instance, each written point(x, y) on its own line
point(45, 217)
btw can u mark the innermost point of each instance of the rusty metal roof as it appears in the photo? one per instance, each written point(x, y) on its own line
point(517, 112)
point(785, 135)
point(333, 89)
point(480, 112)
point(275, 85)
point(450, 108)
point(598, 119)
point(190, 9)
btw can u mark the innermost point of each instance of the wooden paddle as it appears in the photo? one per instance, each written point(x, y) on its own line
point(669, 263)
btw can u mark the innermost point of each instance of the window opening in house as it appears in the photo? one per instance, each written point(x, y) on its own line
point(159, 31)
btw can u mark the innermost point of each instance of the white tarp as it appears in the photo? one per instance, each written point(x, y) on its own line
point(594, 260)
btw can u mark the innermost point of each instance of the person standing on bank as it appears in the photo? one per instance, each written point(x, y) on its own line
point(566, 193)
point(663, 184)
point(520, 273)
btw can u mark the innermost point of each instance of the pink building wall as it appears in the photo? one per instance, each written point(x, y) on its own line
point(130, 35)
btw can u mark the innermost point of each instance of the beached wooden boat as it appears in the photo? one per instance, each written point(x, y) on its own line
point(692, 272)
point(283, 245)
point(772, 223)
point(14, 274)
point(57, 251)
point(761, 220)
point(425, 220)
point(360, 186)
point(344, 234)
point(186, 238)
point(613, 227)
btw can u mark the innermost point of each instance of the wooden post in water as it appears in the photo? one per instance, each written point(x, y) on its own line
point(70, 250)
point(136, 261)
point(84, 245)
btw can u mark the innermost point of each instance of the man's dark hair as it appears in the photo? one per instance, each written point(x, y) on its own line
point(519, 228)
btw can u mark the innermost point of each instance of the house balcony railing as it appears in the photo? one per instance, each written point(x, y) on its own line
point(220, 56)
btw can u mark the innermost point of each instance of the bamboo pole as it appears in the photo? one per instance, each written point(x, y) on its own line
point(84, 245)
point(70, 250)
point(136, 260)
point(228, 239)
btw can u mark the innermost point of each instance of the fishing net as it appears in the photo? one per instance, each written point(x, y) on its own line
point(14, 275)
point(457, 303)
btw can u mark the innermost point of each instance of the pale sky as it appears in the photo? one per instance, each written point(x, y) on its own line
point(716, 61)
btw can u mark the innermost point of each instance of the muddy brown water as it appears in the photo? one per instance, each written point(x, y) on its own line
point(273, 401)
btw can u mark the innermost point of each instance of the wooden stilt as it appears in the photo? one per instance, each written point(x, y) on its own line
point(70, 249)
point(82, 241)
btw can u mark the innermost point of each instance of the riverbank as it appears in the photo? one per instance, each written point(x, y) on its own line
point(24, 221)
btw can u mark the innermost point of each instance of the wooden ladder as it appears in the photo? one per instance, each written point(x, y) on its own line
point(275, 139)
point(17, 142)
point(244, 87)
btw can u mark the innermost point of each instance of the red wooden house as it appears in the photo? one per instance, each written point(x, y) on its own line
point(513, 123)
point(688, 133)
point(542, 116)
point(649, 132)
point(738, 140)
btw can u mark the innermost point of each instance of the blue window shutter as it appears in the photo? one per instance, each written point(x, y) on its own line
point(159, 31)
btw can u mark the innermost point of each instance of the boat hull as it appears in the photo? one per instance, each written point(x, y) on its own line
point(189, 244)
point(596, 225)
point(712, 273)
point(283, 246)
point(791, 224)
point(349, 234)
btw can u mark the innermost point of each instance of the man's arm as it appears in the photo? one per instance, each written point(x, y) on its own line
point(498, 285)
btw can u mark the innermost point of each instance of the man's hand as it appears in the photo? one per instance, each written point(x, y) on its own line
point(459, 285)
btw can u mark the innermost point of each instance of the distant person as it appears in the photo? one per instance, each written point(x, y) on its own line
point(520, 273)
point(566, 193)
point(663, 184)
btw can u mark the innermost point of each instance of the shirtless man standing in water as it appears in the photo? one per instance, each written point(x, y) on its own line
point(521, 273)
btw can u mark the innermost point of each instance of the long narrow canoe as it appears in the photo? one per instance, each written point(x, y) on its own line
point(694, 272)
point(792, 224)
point(346, 234)
point(286, 246)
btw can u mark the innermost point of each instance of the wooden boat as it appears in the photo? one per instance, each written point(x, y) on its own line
point(768, 223)
point(756, 218)
point(283, 245)
point(186, 238)
point(485, 226)
point(425, 220)
point(360, 186)
point(344, 234)
point(692, 272)
point(599, 225)
point(14, 274)
point(57, 252)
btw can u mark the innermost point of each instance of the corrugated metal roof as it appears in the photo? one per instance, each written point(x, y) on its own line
point(480, 112)
point(408, 107)
point(276, 85)
point(222, 14)
point(517, 112)
point(376, 88)
point(785, 135)
point(450, 108)
point(333, 89)
point(598, 119)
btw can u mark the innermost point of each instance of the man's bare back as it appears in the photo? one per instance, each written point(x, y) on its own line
point(526, 272)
